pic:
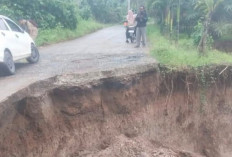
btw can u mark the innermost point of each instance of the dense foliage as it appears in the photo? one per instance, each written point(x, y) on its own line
point(107, 11)
point(47, 14)
point(203, 20)
point(65, 13)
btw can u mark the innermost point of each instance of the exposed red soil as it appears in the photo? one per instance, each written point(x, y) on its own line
point(134, 115)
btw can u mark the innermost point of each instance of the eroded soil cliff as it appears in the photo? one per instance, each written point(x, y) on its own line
point(134, 113)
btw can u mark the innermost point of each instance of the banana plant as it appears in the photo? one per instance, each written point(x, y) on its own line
point(207, 7)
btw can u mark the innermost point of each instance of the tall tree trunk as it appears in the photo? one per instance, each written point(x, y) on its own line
point(203, 42)
point(178, 21)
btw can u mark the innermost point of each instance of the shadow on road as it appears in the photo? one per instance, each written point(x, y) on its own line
point(17, 66)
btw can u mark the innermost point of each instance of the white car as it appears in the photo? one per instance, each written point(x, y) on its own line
point(15, 44)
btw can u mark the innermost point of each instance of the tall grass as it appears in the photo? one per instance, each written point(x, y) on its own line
point(184, 54)
point(59, 34)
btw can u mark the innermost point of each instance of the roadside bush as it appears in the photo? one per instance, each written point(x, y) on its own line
point(7, 11)
point(108, 11)
point(181, 56)
point(196, 36)
point(47, 14)
point(85, 10)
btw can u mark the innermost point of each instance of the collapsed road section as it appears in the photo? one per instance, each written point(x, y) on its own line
point(128, 112)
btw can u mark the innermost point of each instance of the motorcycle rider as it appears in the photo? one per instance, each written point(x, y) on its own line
point(130, 22)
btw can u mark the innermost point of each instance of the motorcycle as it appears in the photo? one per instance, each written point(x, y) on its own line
point(130, 32)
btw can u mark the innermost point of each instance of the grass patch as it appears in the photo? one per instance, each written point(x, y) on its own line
point(59, 34)
point(183, 55)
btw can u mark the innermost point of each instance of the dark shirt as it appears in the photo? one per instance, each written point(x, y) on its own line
point(141, 19)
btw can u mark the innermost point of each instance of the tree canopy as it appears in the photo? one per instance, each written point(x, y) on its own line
point(107, 11)
point(47, 14)
point(65, 13)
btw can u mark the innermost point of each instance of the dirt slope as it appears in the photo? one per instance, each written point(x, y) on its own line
point(126, 112)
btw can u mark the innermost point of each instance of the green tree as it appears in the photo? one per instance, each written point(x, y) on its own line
point(208, 7)
point(221, 19)
point(48, 14)
point(108, 11)
point(209, 17)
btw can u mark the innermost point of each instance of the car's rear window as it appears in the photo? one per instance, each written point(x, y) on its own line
point(13, 26)
point(3, 25)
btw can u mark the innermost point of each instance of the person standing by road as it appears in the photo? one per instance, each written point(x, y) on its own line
point(30, 27)
point(141, 19)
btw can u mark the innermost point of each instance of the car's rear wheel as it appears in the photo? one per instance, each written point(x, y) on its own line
point(34, 58)
point(9, 66)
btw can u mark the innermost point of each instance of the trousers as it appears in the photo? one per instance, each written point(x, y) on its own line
point(141, 34)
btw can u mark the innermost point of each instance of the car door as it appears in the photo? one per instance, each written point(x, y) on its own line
point(7, 37)
point(21, 39)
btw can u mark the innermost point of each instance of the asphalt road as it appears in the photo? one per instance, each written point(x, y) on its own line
point(103, 50)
